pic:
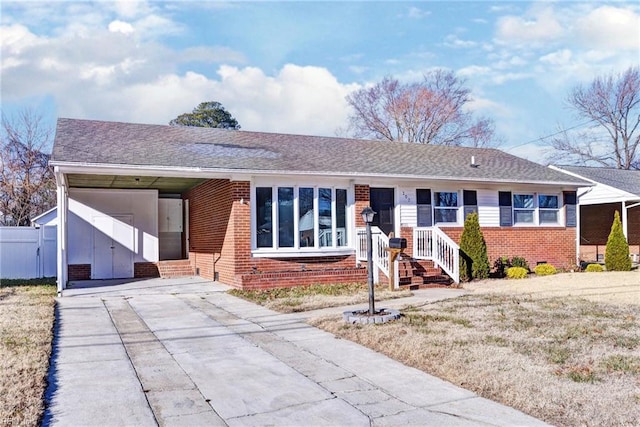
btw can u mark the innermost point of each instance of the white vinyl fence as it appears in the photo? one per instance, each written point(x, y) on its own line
point(28, 252)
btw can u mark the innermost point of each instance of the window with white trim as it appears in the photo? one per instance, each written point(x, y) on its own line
point(548, 208)
point(445, 207)
point(300, 218)
point(523, 209)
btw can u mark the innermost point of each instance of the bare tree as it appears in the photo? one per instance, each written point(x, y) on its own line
point(27, 184)
point(611, 105)
point(432, 111)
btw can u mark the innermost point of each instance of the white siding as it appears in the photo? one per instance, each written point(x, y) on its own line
point(407, 206)
point(601, 193)
point(488, 208)
point(84, 205)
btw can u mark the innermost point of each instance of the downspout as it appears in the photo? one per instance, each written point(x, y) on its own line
point(62, 199)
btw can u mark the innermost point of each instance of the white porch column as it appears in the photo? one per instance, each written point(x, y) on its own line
point(624, 220)
point(62, 209)
point(578, 235)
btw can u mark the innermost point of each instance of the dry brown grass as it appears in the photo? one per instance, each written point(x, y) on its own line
point(614, 287)
point(307, 298)
point(26, 331)
point(567, 360)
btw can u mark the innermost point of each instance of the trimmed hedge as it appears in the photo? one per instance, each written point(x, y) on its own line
point(545, 270)
point(594, 268)
point(517, 273)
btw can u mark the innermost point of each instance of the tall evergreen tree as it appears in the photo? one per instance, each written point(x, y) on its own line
point(616, 255)
point(474, 262)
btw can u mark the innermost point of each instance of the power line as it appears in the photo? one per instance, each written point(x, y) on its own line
point(553, 134)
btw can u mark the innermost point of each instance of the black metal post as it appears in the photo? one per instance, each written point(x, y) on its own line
point(372, 309)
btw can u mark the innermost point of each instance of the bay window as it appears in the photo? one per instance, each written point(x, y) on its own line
point(306, 218)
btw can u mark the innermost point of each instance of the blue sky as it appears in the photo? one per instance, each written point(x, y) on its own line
point(287, 66)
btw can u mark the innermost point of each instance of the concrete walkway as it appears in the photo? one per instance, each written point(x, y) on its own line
point(183, 352)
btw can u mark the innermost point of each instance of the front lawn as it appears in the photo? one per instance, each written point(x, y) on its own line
point(567, 361)
point(306, 298)
point(26, 332)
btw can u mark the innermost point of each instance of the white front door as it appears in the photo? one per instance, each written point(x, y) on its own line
point(112, 247)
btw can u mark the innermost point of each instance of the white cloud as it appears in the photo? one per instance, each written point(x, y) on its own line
point(473, 70)
point(609, 27)
point(453, 41)
point(560, 57)
point(118, 26)
point(417, 13)
point(539, 25)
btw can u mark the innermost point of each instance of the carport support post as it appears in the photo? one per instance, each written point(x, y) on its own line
point(63, 200)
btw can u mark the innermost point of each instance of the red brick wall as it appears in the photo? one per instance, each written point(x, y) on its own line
point(79, 272)
point(362, 201)
point(145, 269)
point(555, 245)
point(219, 229)
point(220, 244)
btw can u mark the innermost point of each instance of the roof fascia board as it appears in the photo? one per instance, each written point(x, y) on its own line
point(186, 172)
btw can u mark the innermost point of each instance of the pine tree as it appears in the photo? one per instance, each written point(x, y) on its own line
point(616, 256)
point(474, 262)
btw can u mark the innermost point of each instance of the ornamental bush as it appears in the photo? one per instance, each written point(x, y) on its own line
point(594, 268)
point(616, 255)
point(516, 273)
point(545, 270)
point(518, 261)
point(474, 262)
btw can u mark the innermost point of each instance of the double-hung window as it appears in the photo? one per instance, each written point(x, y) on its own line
point(531, 209)
point(523, 209)
point(548, 208)
point(445, 207)
point(300, 218)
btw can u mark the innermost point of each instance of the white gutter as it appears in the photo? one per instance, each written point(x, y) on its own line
point(188, 172)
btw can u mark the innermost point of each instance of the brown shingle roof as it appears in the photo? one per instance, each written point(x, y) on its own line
point(112, 143)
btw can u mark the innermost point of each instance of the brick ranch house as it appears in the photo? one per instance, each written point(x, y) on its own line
point(258, 210)
point(612, 190)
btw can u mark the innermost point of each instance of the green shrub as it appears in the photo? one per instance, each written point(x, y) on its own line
point(518, 261)
point(517, 273)
point(616, 255)
point(501, 265)
point(545, 270)
point(474, 262)
point(594, 268)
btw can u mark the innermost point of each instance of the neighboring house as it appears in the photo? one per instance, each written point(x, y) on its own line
point(257, 209)
point(612, 190)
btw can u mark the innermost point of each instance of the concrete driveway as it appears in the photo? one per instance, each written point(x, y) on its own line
point(183, 352)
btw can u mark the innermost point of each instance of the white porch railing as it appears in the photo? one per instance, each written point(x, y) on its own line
point(380, 244)
point(431, 243)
